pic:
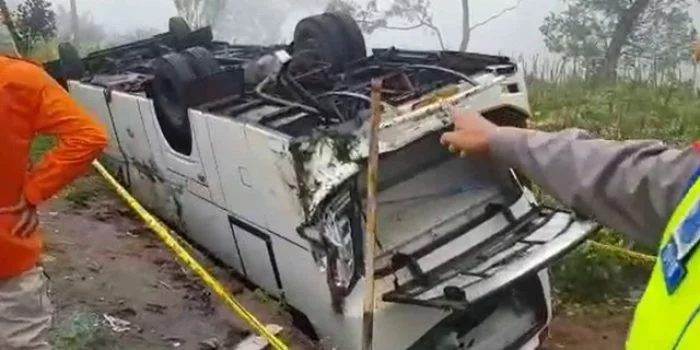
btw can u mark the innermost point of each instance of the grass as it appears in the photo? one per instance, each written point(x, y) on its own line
point(626, 110)
point(623, 110)
point(83, 330)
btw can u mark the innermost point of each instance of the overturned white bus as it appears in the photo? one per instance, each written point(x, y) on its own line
point(257, 154)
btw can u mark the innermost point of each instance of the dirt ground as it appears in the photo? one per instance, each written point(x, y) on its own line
point(590, 330)
point(105, 265)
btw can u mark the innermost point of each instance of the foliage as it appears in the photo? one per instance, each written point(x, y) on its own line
point(35, 22)
point(248, 21)
point(663, 34)
point(586, 28)
point(82, 330)
point(414, 13)
point(585, 276)
point(618, 111)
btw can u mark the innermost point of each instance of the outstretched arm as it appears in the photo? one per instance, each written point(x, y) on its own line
point(631, 186)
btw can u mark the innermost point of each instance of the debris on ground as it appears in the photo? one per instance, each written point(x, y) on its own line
point(254, 342)
point(117, 325)
point(116, 291)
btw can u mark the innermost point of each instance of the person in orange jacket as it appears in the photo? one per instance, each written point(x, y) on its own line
point(33, 103)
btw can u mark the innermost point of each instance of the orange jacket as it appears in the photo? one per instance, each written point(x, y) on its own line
point(33, 103)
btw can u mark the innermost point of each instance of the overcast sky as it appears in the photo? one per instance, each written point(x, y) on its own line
point(515, 32)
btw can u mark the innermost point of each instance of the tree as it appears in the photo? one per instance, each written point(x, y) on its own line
point(74, 23)
point(35, 21)
point(85, 32)
point(662, 36)
point(467, 28)
point(413, 13)
point(200, 13)
point(8, 22)
point(615, 31)
point(249, 20)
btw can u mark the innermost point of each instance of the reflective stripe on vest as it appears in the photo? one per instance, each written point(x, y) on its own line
point(668, 316)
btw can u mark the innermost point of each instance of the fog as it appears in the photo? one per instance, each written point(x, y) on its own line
point(515, 32)
point(509, 27)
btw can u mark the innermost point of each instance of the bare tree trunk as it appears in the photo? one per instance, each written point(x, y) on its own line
point(696, 86)
point(466, 26)
point(75, 30)
point(625, 24)
point(7, 20)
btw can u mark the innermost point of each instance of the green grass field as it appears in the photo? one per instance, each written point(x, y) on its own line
point(623, 110)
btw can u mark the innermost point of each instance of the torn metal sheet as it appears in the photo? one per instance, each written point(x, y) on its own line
point(323, 168)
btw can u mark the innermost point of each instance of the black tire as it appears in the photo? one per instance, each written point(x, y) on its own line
point(178, 27)
point(202, 61)
point(323, 35)
point(199, 37)
point(354, 40)
point(171, 72)
point(72, 66)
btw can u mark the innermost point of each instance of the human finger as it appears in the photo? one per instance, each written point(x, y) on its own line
point(13, 208)
point(27, 224)
point(449, 139)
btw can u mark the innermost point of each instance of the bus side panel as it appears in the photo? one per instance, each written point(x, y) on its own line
point(304, 283)
point(276, 178)
point(205, 149)
point(242, 195)
point(208, 225)
point(92, 99)
point(130, 130)
point(153, 133)
point(257, 251)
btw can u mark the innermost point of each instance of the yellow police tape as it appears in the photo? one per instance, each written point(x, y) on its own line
point(630, 257)
point(163, 232)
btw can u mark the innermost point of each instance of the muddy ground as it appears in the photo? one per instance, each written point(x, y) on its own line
point(105, 265)
point(599, 328)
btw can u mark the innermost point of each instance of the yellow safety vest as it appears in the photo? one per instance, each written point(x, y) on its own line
point(668, 316)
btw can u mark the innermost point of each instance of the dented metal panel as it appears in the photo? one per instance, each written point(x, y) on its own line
point(274, 166)
point(325, 161)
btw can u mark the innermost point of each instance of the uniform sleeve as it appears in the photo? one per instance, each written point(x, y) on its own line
point(631, 186)
point(80, 138)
